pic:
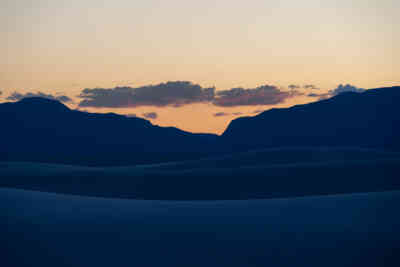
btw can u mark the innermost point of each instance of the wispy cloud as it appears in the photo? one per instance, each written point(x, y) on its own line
point(338, 90)
point(150, 115)
point(131, 115)
point(294, 86)
point(310, 86)
point(320, 96)
point(221, 114)
point(346, 88)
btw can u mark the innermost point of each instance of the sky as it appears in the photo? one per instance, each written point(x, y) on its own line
point(61, 48)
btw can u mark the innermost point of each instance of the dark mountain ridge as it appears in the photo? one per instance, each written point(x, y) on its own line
point(43, 130)
point(369, 119)
point(38, 129)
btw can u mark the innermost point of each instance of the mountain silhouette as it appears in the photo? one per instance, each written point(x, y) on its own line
point(370, 119)
point(43, 130)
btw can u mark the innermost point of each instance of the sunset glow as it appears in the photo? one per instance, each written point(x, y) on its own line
point(62, 47)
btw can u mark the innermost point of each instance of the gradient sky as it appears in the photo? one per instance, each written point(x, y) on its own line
point(57, 46)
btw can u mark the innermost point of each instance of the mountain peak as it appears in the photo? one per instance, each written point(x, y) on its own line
point(42, 103)
point(368, 119)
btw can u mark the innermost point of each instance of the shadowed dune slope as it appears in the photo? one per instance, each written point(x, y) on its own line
point(41, 229)
point(252, 175)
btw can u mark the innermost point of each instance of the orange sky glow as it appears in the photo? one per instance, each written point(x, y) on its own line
point(63, 47)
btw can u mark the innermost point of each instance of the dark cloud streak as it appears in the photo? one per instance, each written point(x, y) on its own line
point(320, 96)
point(182, 93)
point(150, 115)
point(263, 95)
point(338, 90)
point(131, 115)
point(346, 88)
point(310, 86)
point(221, 114)
point(175, 94)
point(294, 86)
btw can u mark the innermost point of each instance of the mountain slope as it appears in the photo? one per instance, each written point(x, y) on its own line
point(38, 129)
point(42, 130)
point(369, 119)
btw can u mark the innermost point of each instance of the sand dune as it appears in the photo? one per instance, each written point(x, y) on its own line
point(46, 229)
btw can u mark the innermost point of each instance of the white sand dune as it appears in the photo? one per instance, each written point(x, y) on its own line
point(46, 229)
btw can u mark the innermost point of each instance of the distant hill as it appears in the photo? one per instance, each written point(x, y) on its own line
point(368, 119)
point(43, 130)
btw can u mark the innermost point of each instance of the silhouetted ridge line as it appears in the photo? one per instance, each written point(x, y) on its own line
point(368, 119)
point(44, 130)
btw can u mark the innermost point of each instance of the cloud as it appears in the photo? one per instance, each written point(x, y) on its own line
point(338, 90)
point(294, 86)
point(320, 96)
point(150, 115)
point(221, 114)
point(324, 95)
point(263, 95)
point(346, 88)
point(63, 98)
point(176, 94)
point(181, 93)
point(18, 96)
point(131, 115)
point(310, 86)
